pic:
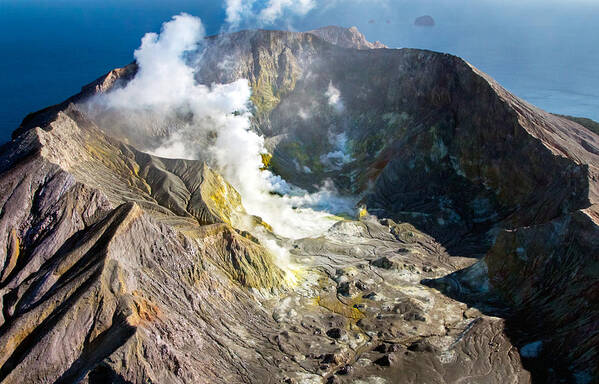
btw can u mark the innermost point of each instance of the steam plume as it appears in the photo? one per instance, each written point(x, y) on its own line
point(210, 123)
point(242, 11)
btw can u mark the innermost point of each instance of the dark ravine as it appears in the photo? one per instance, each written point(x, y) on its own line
point(481, 234)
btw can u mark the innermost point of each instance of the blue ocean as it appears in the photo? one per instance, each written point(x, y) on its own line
point(546, 52)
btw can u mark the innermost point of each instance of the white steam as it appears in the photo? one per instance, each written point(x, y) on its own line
point(242, 11)
point(237, 10)
point(334, 97)
point(163, 79)
point(276, 8)
point(212, 123)
point(340, 155)
point(260, 13)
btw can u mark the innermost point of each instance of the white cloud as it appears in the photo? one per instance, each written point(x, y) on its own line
point(277, 8)
point(243, 12)
point(238, 10)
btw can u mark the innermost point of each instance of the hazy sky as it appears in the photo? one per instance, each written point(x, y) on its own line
point(544, 51)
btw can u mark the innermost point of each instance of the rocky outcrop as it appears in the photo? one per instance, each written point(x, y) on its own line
point(123, 300)
point(273, 61)
point(543, 279)
point(346, 37)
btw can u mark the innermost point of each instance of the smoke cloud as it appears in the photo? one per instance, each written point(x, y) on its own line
point(185, 119)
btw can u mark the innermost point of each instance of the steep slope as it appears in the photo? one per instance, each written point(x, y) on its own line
point(588, 123)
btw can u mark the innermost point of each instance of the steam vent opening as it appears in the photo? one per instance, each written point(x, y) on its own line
point(266, 206)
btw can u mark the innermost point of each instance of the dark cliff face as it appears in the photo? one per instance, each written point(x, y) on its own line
point(423, 137)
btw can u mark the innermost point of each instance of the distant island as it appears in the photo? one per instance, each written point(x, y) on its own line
point(424, 21)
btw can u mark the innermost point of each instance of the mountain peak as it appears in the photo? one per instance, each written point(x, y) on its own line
point(345, 37)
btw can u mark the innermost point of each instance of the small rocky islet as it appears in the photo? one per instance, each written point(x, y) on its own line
point(424, 21)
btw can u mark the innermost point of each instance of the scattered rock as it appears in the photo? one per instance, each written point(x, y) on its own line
point(370, 296)
point(384, 263)
point(335, 333)
point(347, 288)
point(472, 312)
point(414, 316)
point(345, 370)
point(420, 346)
point(361, 285)
point(332, 358)
point(383, 361)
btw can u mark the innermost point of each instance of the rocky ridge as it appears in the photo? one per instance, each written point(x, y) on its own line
point(346, 37)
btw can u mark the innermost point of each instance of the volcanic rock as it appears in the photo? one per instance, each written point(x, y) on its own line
point(345, 37)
